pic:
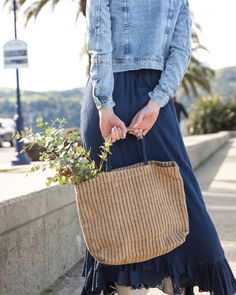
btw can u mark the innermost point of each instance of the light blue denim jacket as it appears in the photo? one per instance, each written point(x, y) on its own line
point(133, 34)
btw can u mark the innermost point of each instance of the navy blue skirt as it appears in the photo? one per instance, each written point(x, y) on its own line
point(200, 260)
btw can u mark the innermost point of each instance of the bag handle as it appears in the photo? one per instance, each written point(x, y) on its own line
point(144, 153)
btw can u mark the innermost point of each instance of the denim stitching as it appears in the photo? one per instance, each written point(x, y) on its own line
point(126, 32)
point(168, 25)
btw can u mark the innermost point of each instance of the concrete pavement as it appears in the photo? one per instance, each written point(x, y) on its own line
point(16, 181)
point(217, 179)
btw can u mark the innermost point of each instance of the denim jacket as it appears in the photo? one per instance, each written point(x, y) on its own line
point(133, 34)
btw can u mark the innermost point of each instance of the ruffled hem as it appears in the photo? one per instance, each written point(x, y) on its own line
point(174, 278)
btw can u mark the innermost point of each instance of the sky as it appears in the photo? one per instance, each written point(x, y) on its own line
point(55, 41)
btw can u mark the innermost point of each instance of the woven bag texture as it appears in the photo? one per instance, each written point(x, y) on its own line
point(133, 214)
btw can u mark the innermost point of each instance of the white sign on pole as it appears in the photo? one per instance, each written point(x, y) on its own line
point(15, 54)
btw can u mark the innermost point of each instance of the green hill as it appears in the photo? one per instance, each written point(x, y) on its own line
point(225, 82)
point(67, 104)
point(51, 104)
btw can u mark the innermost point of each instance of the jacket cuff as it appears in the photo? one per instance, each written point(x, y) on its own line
point(159, 96)
point(104, 103)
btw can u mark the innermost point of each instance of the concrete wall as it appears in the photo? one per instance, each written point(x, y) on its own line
point(201, 147)
point(40, 239)
point(40, 236)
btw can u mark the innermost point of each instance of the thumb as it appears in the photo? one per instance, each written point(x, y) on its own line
point(139, 119)
point(123, 128)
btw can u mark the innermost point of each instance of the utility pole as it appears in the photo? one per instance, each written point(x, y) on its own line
point(21, 157)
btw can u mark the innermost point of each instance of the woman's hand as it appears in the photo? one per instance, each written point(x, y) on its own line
point(144, 119)
point(111, 126)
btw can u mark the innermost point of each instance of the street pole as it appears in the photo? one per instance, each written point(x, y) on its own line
point(21, 158)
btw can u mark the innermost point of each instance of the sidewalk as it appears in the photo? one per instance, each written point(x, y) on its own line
point(217, 179)
point(16, 181)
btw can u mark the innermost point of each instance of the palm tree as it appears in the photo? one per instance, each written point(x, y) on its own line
point(197, 76)
point(36, 7)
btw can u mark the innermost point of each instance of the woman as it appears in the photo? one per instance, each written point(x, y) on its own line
point(140, 51)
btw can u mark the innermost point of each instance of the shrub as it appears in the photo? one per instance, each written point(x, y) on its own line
point(230, 123)
point(212, 114)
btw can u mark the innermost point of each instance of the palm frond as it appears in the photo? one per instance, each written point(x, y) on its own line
point(34, 9)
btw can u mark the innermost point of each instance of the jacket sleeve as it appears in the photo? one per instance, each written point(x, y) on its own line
point(178, 60)
point(99, 45)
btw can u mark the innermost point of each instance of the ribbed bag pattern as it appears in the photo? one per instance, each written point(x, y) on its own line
point(133, 214)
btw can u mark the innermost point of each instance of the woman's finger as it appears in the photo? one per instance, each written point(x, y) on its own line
point(139, 118)
point(138, 133)
point(145, 131)
point(130, 131)
point(123, 129)
point(141, 133)
point(134, 121)
point(120, 133)
point(113, 135)
point(117, 134)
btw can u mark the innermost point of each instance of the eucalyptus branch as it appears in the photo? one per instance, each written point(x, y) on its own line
point(64, 153)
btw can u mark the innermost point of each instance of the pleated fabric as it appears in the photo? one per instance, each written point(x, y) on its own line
point(200, 260)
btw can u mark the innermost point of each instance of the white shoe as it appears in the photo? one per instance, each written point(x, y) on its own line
point(123, 290)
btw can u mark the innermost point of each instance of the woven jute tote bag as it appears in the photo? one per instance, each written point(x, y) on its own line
point(133, 214)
